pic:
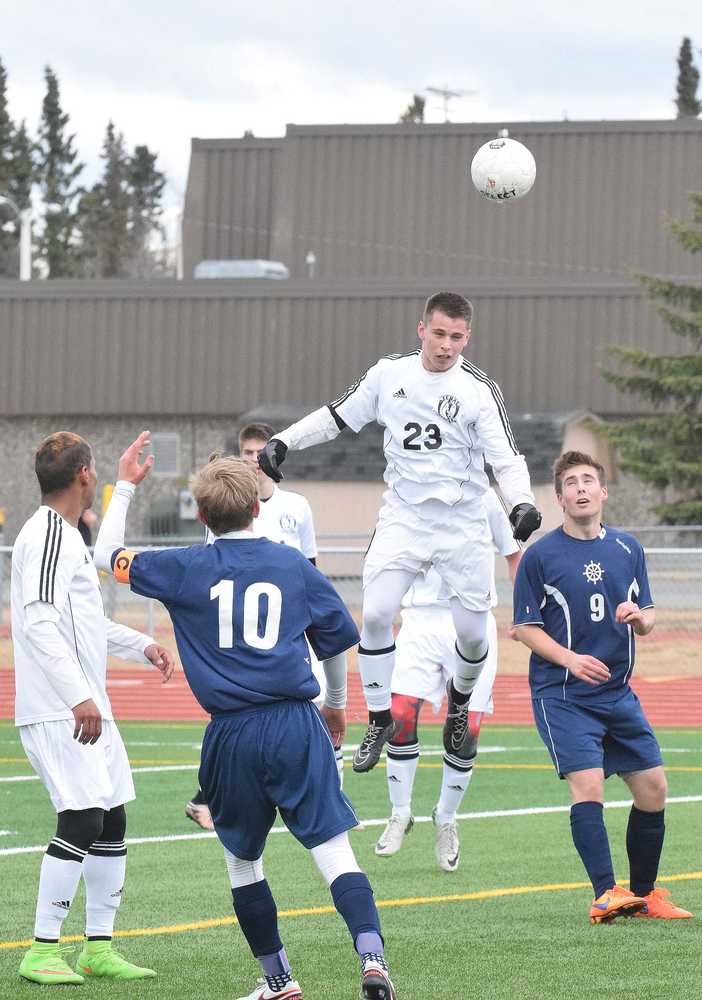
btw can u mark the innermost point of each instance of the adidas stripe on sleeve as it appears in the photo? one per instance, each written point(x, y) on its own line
point(50, 561)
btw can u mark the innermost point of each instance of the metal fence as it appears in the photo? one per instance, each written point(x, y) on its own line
point(675, 574)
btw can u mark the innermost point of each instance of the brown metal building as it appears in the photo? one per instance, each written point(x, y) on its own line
point(396, 201)
point(217, 348)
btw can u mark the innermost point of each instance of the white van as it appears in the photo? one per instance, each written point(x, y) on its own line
point(241, 269)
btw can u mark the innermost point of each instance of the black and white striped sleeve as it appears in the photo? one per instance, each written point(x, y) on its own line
point(358, 406)
point(49, 562)
point(500, 448)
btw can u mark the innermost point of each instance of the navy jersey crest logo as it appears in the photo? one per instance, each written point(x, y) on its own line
point(288, 523)
point(448, 407)
point(593, 572)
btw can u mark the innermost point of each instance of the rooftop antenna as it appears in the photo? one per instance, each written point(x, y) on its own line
point(449, 94)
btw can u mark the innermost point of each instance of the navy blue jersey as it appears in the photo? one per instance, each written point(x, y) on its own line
point(572, 588)
point(241, 609)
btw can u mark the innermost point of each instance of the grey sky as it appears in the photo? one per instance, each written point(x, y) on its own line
point(167, 71)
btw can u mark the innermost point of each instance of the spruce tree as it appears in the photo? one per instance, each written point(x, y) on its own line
point(665, 449)
point(107, 244)
point(117, 237)
point(414, 112)
point(147, 184)
point(688, 77)
point(58, 170)
point(8, 220)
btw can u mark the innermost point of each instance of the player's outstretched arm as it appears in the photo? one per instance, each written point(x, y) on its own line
point(586, 668)
point(317, 427)
point(128, 644)
point(130, 472)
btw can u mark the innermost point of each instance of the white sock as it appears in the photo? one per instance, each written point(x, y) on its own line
point(58, 881)
point(339, 754)
point(400, 774)
point(104, 879)
point(453, 787)
point(467, 672)
point(376, 676)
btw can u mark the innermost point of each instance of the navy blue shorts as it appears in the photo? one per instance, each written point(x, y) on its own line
point(277, 756)
point(616, 737)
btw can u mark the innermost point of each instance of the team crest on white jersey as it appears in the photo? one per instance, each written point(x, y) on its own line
point(593, 572)
point(288, 522)
point(448, 407)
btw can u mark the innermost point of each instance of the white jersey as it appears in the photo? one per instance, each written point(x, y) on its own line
point(440, 428)
point(284, 517)
point(51, 564)
point(429, 590)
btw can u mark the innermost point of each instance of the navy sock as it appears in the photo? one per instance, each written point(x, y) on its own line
point(592, 844)
point(258, 918)
point(644, 843)
point(353, 898)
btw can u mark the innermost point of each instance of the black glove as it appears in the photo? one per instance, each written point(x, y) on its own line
point(524, 518)
point(272, 457)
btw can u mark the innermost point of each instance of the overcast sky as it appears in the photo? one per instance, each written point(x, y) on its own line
point(168, 71)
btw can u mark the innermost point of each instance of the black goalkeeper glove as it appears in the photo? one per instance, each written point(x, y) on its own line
point(525, 519)
point(272, 457)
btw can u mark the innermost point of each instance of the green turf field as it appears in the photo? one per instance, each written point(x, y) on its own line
point(511, 924)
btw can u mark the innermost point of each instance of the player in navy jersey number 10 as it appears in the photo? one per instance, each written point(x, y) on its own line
point(443, 419)
point(580, 595)
point(243, 611)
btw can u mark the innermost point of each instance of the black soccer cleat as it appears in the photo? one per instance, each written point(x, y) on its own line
point(457, 736)
point(367, 753)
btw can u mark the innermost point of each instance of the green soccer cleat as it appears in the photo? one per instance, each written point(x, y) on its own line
point(101, 959)
point(43, 964)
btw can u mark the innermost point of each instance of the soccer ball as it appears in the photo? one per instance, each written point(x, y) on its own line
point(503, 170)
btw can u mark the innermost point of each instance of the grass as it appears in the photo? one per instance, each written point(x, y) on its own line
point(447, 935)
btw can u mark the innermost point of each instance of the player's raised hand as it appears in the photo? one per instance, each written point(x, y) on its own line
point(88, 722)
point(271, 458)
point(130, 468)
point(162, 659)
point(588, 668)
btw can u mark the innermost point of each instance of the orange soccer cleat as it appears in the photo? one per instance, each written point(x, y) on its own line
point(661, 907)
point(615, 902)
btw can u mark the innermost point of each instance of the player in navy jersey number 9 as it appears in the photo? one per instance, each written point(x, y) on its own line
point(443, 419)
point(243, 611)
point(580, 595)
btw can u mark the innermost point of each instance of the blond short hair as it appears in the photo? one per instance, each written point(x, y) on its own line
point(226, 491)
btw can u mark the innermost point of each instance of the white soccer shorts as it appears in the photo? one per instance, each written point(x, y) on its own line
point(424, 658)
point(455, 540)
point(78, 776)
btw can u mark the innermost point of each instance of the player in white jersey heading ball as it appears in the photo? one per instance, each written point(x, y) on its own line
point(443, 419)
point(424, 654)
point(61, 641)
point(285, 516)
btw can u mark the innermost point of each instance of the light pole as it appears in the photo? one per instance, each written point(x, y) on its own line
point(25, 243)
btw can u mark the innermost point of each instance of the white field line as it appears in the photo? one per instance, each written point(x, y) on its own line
point(430, 749)
point(490, 814)
point(135, 770)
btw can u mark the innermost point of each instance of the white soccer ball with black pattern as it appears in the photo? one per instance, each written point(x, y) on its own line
point(503, 170)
